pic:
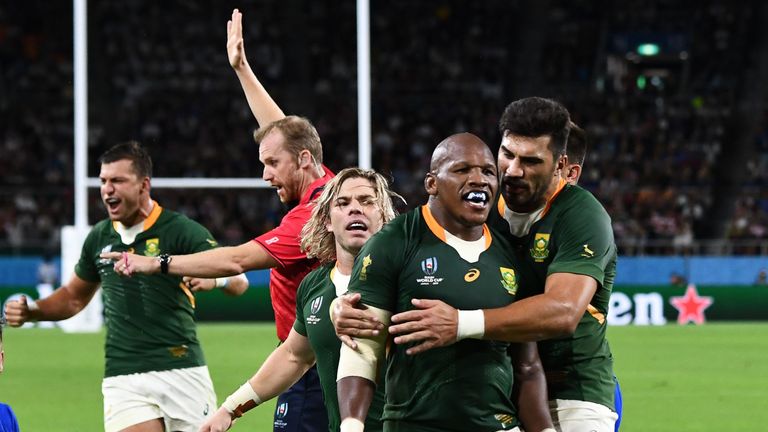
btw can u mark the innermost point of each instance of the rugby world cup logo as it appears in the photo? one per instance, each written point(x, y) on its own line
point(429, 266)
point(316, 304)
point(282, 410)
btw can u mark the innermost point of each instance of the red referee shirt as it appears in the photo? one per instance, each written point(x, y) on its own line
point(283, 243)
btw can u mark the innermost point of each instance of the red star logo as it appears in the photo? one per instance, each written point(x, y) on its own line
point(691, 306)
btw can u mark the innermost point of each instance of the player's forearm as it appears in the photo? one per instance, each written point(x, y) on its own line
point(60, 305)
point(235, 285)
point(219, 262)
point(355, 396)
point(530, 387)
point(263, 107)
point(281, 370)
point(532, 319)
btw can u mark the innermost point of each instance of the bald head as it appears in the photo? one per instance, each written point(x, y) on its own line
point(456, 145)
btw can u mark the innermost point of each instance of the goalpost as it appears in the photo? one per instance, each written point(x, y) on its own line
point(72, 237)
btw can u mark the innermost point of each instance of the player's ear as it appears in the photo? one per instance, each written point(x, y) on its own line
point(574, 172)
point(430, 183)
point(146, 184)
point(305, 159)
point(562, 165)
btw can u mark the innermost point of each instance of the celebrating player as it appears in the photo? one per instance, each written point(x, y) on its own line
point(155, 375)
point(442, 250)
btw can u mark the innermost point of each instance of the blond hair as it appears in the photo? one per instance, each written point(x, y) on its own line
point(320, 243)
point(299, 135)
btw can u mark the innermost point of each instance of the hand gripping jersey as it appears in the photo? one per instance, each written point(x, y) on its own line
point(573, 235)
point(462, 387)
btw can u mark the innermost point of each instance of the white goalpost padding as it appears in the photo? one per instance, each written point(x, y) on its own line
point(72, 237)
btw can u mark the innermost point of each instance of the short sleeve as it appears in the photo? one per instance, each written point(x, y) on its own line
point(283, 243)
point(300, 324)
point(85, 268)
point(584, 243)
point(195, 238)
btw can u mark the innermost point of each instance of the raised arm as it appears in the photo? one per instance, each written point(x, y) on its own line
point(261, 103)
point(64, 303)
point(286, 365)
point(222, 261)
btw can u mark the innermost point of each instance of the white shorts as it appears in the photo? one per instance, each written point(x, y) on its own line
point(183, 398)
point(581, 416)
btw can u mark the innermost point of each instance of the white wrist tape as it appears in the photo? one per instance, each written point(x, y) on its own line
point(471, 325)
point(548, 430)
point(222, 282)
point(351, 424)
point(32, 305)
point(370, 352)
point(236, 401)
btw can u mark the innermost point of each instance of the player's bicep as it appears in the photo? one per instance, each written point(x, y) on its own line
point(252, 255)
point(570, 289)
point(584, 245)
point(81, 290)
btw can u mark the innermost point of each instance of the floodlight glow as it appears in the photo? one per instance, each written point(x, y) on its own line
point(647, 49)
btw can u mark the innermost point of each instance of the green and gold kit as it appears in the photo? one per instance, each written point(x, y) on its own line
point(462, 387)
point(313, 299)
point(573, 235)
point(150, 319)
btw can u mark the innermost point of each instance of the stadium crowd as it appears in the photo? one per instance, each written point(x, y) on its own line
point(657, 128)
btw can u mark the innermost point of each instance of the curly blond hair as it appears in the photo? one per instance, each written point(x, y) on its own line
point(320, 243)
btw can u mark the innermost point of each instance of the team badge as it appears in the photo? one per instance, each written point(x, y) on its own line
point(429, 266)
point(178, 351)
point(504, 419)
point(540, 250)
point(152, 247)
point(587, 253)
point(508, 280)
point(364, 271)
point(472, 275)
point(212, 242)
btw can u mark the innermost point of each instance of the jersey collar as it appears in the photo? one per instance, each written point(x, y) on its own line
point(148, 222)
point(440, 232)
point(317, 186)
point(560, 186)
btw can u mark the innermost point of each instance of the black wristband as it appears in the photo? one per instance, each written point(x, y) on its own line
point(164, 259)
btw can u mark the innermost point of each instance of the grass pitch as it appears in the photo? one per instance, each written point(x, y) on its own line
point(674, 378)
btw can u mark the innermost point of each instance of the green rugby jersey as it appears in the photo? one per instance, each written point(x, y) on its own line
point(574, 235)
point(313, 299)
point(462, 387)
point(149, 318)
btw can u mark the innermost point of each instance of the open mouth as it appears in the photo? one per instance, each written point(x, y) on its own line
point(112, 202)
point(357, 226)
point(477, 199)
